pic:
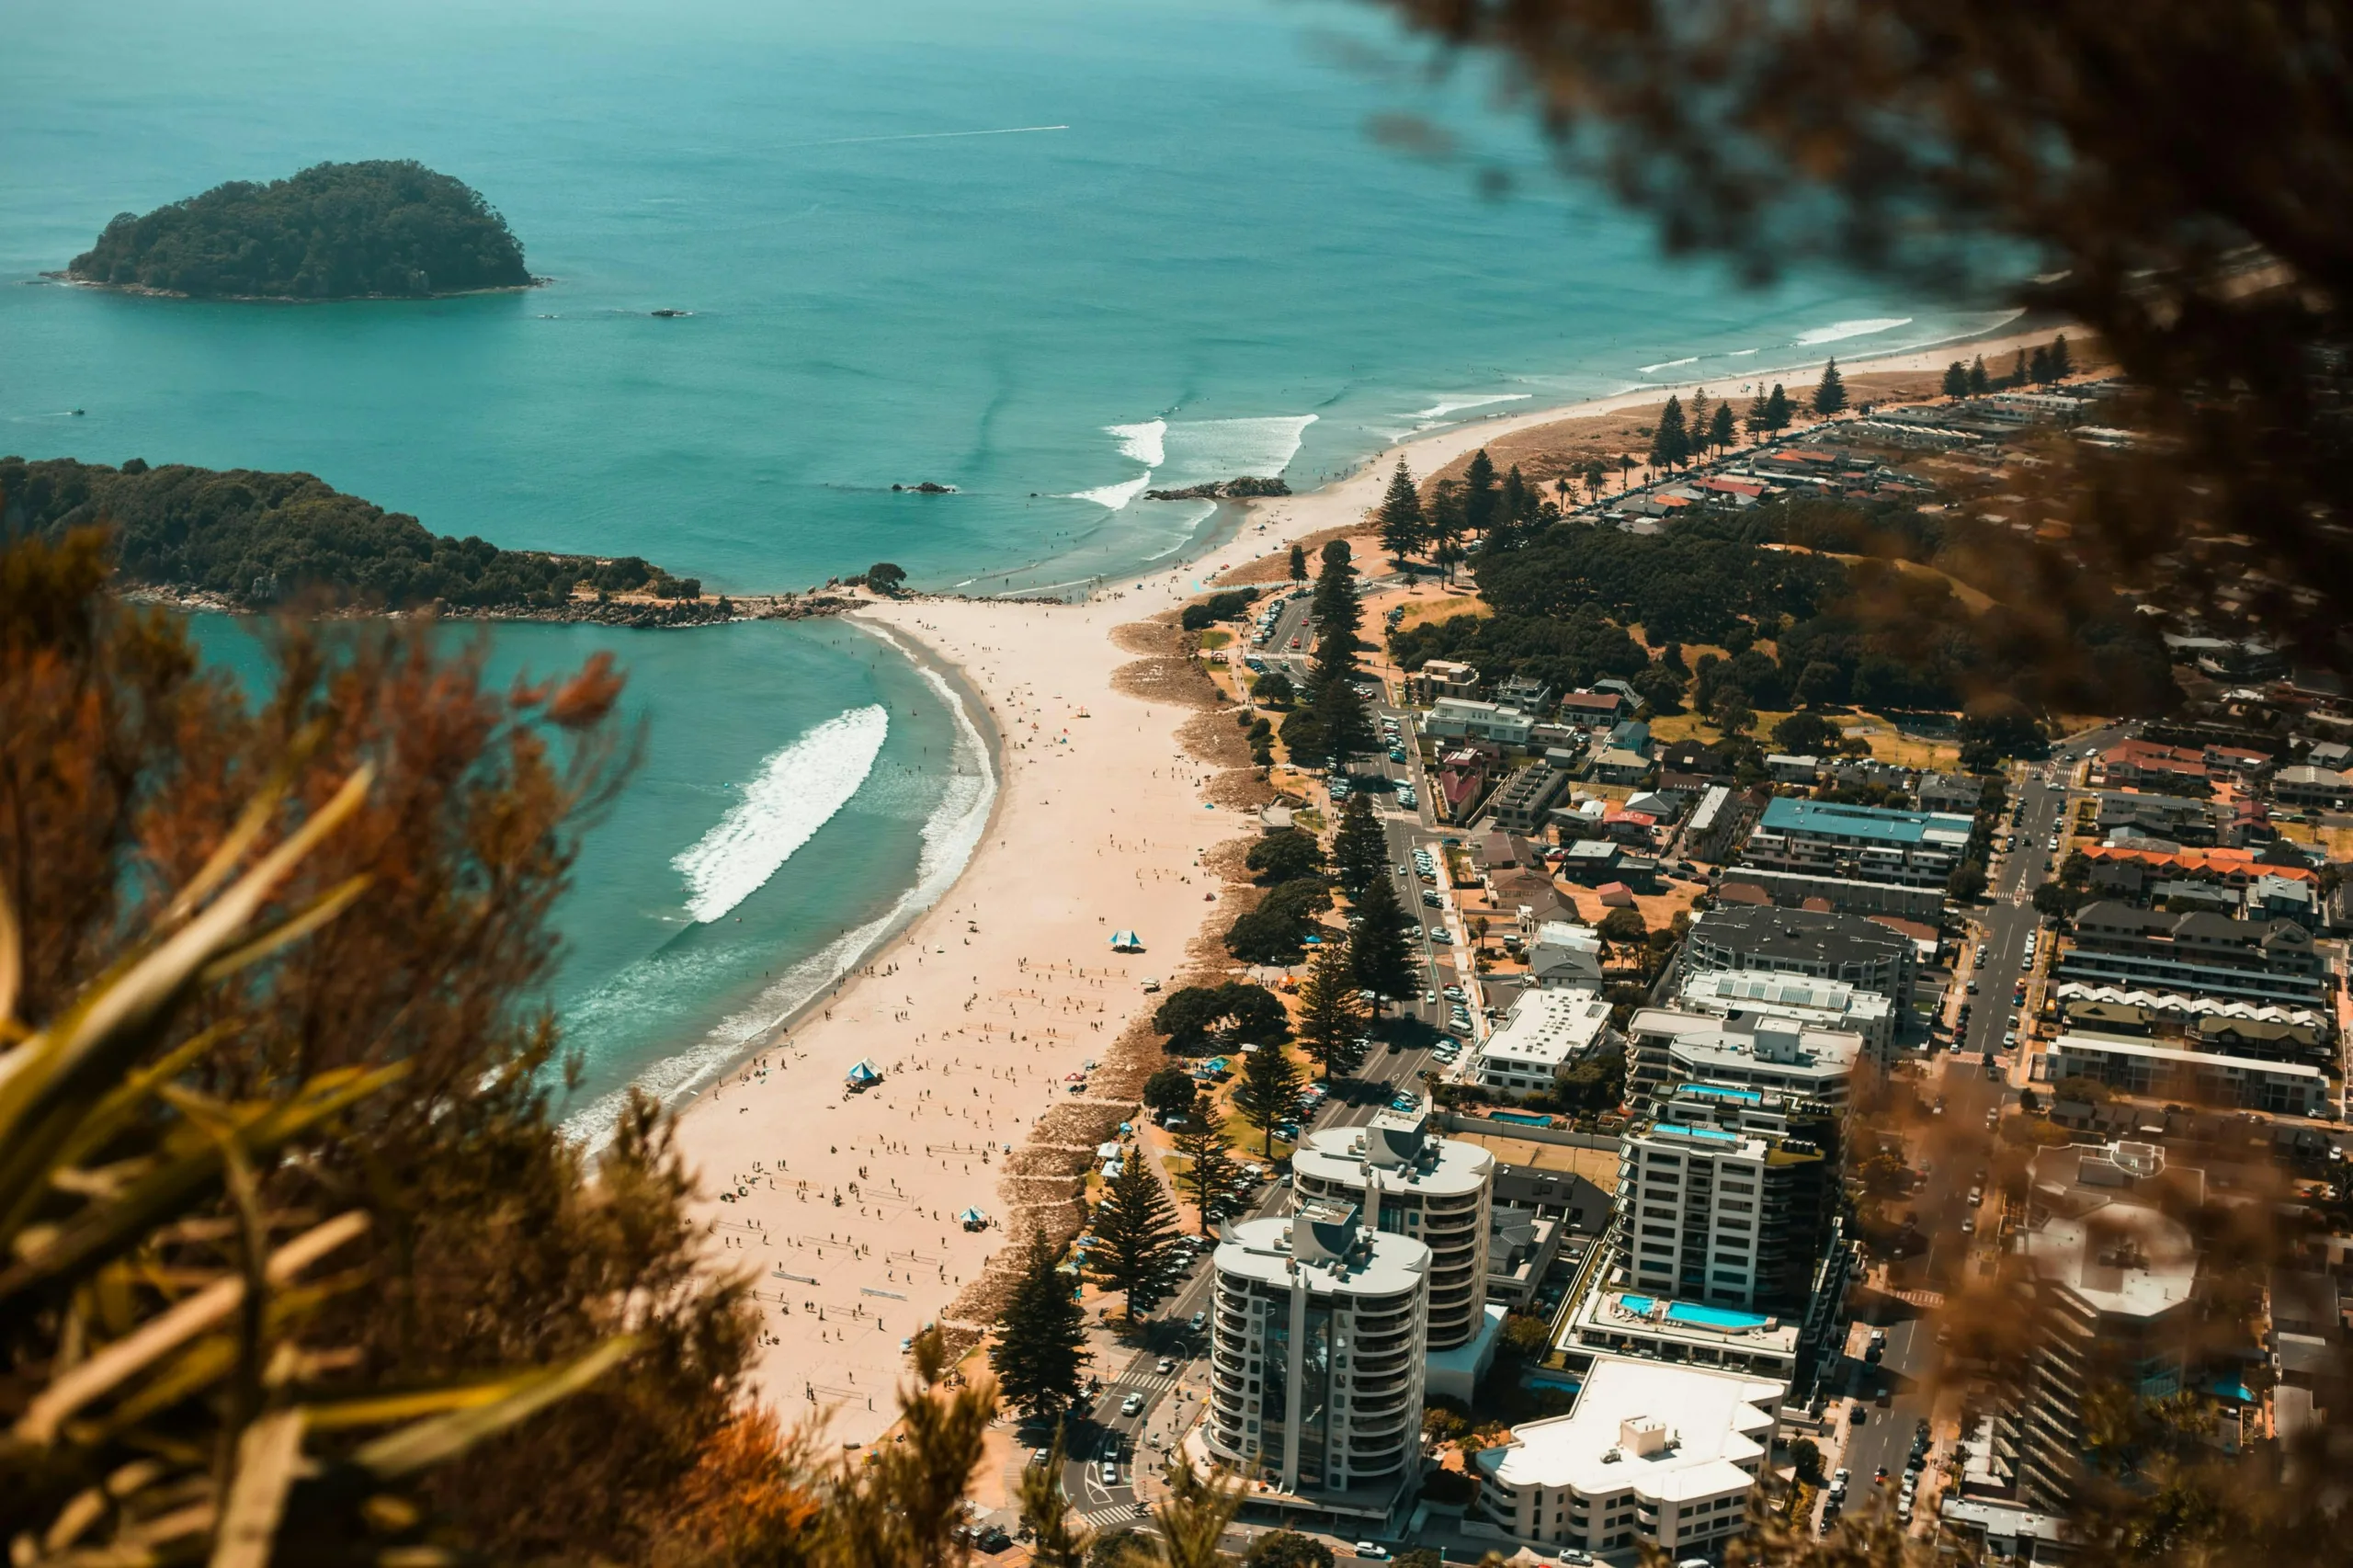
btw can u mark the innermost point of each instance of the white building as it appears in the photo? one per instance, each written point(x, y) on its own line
point(1779, 1055)
point(1726, 1197)
point(1652, 1454)
point(1804, 999)
point(1463, 716)
point(1316, 1352)
point(1436, 1191)
point(1547, 1031)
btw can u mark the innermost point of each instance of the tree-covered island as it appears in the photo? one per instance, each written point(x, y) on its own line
point(386, 228)
point(243, 540)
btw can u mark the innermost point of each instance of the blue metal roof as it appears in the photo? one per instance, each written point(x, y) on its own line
point(1783, 814)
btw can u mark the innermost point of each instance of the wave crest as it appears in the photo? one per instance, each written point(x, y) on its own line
point(798, 790)
point(1838, 330)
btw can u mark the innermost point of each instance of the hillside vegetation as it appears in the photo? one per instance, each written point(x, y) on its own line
point(256, 539)
point(333, 231)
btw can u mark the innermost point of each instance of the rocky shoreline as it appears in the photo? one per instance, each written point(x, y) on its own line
point(67, 280)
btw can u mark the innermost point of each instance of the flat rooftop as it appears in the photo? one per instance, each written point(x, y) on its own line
point(1715, 1423)
point(1878, 824)
point(1549, 1026)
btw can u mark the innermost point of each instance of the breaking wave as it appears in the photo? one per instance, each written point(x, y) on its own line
point(1837, 330)
point(798, 790)
point(1177, 454)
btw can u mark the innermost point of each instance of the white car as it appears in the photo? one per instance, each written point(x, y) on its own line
point(1110, 1472)
point(1131, 1405)
point(1369, 1551)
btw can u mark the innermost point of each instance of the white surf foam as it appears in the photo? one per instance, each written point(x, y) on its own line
point(1838, 330)
point(1440, 409)
point(1199, 451)
point(798, 790)
point(1114, 495)
point(1142, 443)
point(1669, 364)
point(950, 835)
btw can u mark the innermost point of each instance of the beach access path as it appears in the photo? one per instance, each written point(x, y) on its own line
point(842, 1206)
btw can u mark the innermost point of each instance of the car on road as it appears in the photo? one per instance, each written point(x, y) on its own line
point(1404, 1102)
point(1369, 1552)
point(1109, 1472)
point(1199, 1319)
point(1166, 1364)
point(1131, 1405)
point(1577, 1557)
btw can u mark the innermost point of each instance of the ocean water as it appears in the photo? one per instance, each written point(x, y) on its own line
point(1050, 252)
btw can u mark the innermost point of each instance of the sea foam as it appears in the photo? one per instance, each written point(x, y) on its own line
point(950, 835)
point(798, 790)
point(1844, 329)
point(1142, 443)
point(1182, 453)
point(1670, 364)
point(1444, 406)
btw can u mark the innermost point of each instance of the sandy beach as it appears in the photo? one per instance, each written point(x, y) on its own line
point(984, 1014)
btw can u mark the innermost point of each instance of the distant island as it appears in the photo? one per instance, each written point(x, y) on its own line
point(247, 541)
point(384, 229)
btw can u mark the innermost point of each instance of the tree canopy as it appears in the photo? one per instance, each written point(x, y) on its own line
point(333, 231)
point(258, 538)
point(1201, 1016)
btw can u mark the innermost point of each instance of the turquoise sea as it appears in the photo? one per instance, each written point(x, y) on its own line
point(1045, 251)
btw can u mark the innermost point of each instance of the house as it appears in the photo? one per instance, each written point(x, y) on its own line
point(1633, 735)
point(2145, 764)
point(1616, 895)
point(1695, 757)
point(1525, 799)
point(1635, 829)
point(1618, 766)
point(2304, 785)
point(1553, 967)
point(1462, 716)
point(1591, 861)
point(1787, 769)
point(1594, 707)
point(1654, 803)
point(1525, 693)
point(1955, 792)
point(1444, 677)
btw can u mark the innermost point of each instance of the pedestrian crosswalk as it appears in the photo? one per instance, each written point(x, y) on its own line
point(1115, 1514)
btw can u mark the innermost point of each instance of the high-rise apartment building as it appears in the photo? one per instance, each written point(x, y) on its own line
point(1318, 1327)
point(1407, 1182)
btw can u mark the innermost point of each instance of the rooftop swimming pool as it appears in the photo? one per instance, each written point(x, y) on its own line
point(1696, 1314)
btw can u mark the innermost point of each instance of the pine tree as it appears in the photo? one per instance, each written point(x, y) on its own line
point(1299, 555)
point(1514, 512)
point(1135, 1234)
point(1339, 614)
point(1342, 720)
point(1670, 443)
point(1380, 946)
point(1404, 530)
point(1777, 409)
point(1447, 525)
point(2061, 366)
point(1956, 381)
point(1041, 1336)
point(1830, 393)
point(1479, 495)
point(1331, 1014)
point(1980, 382)
point(1697, 419)
point(2018, 371)
point(1208, 1176)
point(1760, 416)
point(1360, 847)
point(1267, 1093)
point(1720, 431)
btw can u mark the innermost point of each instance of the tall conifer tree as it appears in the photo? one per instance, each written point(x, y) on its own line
point(1404, 530)
point(1331, 1017)
point(1381, 946)
point(1041, 1338)
point(1360, 847)
point(1979, 381)
point(1479, 494)
point(1719, 430)
point(1208, 1175)
point(1670, 441)
point(1830, 393)
point(1135, 1234)
point(1777, 409)
point(1267, 1094)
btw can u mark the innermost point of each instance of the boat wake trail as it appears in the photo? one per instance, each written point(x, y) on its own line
point(798, 790)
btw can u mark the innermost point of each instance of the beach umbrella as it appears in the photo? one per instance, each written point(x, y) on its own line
point(972, 1219)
